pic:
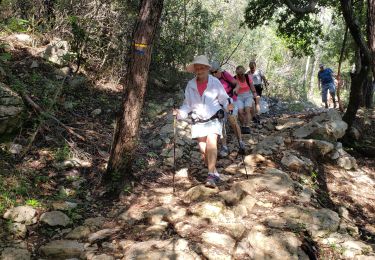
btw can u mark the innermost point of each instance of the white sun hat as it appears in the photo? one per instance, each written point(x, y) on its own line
point(201, 59)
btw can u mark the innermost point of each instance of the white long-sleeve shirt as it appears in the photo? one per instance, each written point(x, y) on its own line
point(205, 106)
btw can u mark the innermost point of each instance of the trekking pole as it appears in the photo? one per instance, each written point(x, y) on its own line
point(174, 147)
point(239, 144)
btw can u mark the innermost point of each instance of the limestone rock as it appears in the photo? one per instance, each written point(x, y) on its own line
point(208, 209)
point(55, 218)
point(156, 215)
point(56, 51)
point(217, 246)
point(348, 245)
point(10, 253)
point(161, 249)
point(293, 162)
point(327, 126)
point(93, 223)
point(289, 123)
point(80, 232)
point(103, 257)
point(18, 230)
point(11, 107)
point(62, 249)
point(265, 243)
point(198, 193)
point(318, 222)
point(96, 112)
point(269, 145)
point(15, 148)
point(21, 214)
point(321, 147)
point(64, 205)
point(273, 180)
point(102, 234)
point(347, 162)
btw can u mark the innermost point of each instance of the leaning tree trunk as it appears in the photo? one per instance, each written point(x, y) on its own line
point(126, 133)
point(365, 57)
point(371, 40)
point(356, 89)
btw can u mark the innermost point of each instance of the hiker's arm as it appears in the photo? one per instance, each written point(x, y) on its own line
point(223, 98)
point(252, 88)
point(265, 80)
point(185, 109)
point(318, 83)
point(237, 87)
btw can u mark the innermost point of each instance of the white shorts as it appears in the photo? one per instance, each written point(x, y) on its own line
point(244, 100)
point(207, 128)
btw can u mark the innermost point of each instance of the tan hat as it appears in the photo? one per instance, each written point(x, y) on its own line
point(201, 59)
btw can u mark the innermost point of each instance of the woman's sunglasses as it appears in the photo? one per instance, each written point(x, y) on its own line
point(214, 72)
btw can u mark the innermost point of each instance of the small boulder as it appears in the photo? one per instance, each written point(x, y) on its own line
point(21, 214)
point(96, 112)
point(62, 249)
point(80, 232)
point(55, 218)
point(198, 193)
point(102, 234)
point(10, 253)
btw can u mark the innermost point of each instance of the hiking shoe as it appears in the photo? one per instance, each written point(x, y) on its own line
point(224, 151)
point(212, 180)
point(245, 130)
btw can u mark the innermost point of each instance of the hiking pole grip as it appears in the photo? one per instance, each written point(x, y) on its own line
point(230, 102)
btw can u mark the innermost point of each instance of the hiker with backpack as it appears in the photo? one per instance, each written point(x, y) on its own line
point(231, 87)
point(205, 101)
point(326, 82)
point(246, 97)
point(259, 80)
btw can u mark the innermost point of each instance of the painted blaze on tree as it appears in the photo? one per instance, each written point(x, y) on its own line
point(135, 80)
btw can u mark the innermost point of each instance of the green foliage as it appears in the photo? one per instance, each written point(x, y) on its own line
point(63, 153)
point(16, 25)
point(33, 203)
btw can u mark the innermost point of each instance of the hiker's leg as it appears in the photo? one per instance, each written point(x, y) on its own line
point(211, 152)
point(324, 94)
point(202, 148)
point(248, 116)
point(332, 92)
point(234, 124)
point(257, 105)
point(242, 117)
point(248, 104)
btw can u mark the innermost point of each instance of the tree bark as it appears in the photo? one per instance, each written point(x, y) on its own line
point(305, 76)
point(339, 82)
point(360, 75)
point(371, 31)
point(312, 75)
point(134, 82)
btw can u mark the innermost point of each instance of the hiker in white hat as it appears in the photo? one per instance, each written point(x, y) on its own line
point(205, 99)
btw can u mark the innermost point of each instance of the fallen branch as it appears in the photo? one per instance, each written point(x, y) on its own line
point(40, 111)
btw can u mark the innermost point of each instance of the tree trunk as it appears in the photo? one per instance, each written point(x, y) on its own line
point(360, 75)
point(339, 82)
point(356, 87)
point(312, 75)
point(134, 82)
point(371, 31)
point(305, 76)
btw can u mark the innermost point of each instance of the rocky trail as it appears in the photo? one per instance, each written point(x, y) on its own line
point(305, 196)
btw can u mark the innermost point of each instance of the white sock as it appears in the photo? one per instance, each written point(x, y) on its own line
point(216, 174)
